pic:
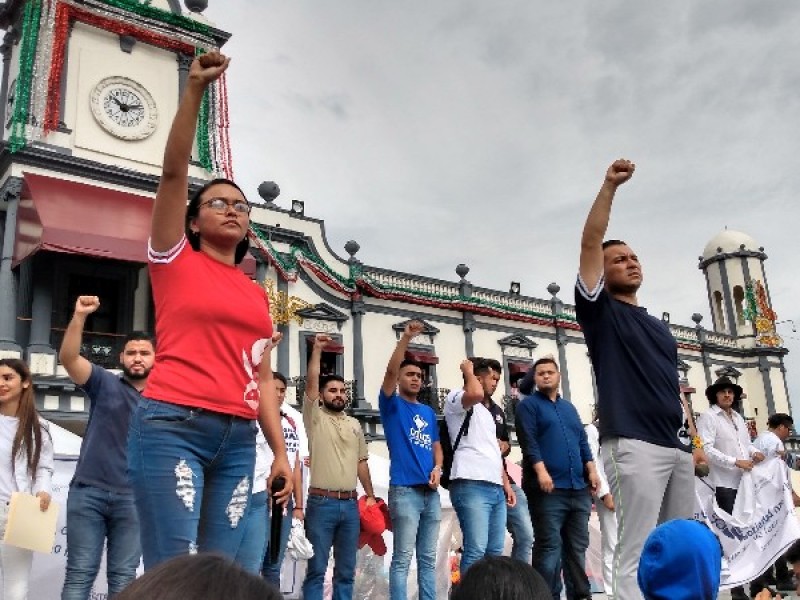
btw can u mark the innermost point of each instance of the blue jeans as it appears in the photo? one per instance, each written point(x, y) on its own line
point(191, 471)
point(256, 534)
point(331, 522)
point(416, 513)
point(519, 525)
point(94, 514)
point(561, 522)
point(272, 571)
point(481, 510)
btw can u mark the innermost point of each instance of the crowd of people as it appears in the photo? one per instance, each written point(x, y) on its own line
point(193, 449)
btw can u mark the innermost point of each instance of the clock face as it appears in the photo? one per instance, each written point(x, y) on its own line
point(124, 108)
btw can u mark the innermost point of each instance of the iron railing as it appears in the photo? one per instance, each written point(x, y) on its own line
point(99, 348)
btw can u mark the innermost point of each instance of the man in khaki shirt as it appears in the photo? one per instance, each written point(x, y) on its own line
point(338, 458)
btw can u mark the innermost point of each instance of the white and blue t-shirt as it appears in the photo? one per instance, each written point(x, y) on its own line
point(411, 430)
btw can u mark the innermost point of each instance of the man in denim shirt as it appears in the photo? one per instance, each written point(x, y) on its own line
point(557, 464)
point(100, 503)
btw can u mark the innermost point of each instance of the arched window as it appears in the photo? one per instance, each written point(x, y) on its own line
point(738, 302)
point(719, 311)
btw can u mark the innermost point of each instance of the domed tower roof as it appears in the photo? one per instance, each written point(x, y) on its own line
point(729, 241)
point(729, 244)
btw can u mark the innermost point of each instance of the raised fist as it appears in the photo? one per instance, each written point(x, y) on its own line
point(413, 329)
point(208, 67)
point(86, 305)
point(321, 340)
point(620, 171)
point(467, 368)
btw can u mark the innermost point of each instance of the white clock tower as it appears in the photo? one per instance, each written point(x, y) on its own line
point(87, 95)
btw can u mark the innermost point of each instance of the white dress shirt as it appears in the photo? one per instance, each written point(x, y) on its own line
point(726, 439)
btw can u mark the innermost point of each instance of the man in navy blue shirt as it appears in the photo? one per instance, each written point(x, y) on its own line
point(646, 448)
point(557, 473)
point(416, 465)
point(100, 504)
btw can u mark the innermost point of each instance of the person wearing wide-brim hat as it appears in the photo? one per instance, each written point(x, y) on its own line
point(724, 383)
point(726, 441)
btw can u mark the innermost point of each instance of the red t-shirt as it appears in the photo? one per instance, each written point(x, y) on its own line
point(212, 325)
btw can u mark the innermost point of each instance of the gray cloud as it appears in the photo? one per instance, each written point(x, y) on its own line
point(484, 130)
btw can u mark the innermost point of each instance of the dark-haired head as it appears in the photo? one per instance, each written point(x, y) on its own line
point(779, 419)
point(488, 372)
point(621, 269)
point(481, 366)
point(280, 377)
point(199, 576)
point(545, 360)
point(333, 392)
point(138, 355)
point(609, 243)
point(410, 379)
point(501, 578)
point(408, 362)
point(194, 209)
point(28, 437)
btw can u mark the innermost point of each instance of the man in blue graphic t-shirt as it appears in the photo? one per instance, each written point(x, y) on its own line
point(646, 447)
point(416, 465)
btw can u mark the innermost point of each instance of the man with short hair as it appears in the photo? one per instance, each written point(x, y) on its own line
point(770, 444)
point(558, 474)
point(412, 437)
point(100, 505)
point(479, 486)
point(726, 441)
point(518, 517)
point(296, 440)
point(338, 460)
point(646, 449)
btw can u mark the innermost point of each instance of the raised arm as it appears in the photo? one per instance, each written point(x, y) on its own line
point(594, 231)
point(412, 329)
point(169, 209)
point(312, 373)
point(78, 368)
point(473, 390)
point(269, 417)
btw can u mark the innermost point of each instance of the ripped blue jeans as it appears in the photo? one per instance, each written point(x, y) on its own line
point(192, 471)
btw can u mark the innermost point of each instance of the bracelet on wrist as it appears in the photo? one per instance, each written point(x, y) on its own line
point(697, 442)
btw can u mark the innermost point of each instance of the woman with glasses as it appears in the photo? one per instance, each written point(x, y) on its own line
point(191, 446)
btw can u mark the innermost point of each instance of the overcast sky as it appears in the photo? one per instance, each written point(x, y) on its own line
point(436, 133)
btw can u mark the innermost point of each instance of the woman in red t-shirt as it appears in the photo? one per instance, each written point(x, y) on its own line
point(191, 448)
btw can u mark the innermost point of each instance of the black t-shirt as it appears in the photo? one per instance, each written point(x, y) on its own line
point(635, 360)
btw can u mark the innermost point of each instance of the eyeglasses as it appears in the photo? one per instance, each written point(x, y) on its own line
point(220, 204)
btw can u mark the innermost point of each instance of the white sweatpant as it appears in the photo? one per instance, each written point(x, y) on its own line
point(15, 564)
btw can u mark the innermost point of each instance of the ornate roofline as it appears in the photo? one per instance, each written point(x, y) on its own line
point(386, 284)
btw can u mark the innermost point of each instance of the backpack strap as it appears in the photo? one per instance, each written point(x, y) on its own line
point(464, 430)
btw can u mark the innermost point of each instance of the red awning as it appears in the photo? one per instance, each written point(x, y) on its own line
point(423, 357)
point(518, 367)
point(77, 218)
point(332, 347)
point(66, 216)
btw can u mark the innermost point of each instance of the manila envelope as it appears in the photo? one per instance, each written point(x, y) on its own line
point(28, 527)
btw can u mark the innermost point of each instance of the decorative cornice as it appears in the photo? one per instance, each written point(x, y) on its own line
point(518, 340)
point(322, 312)
point(705, 262)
